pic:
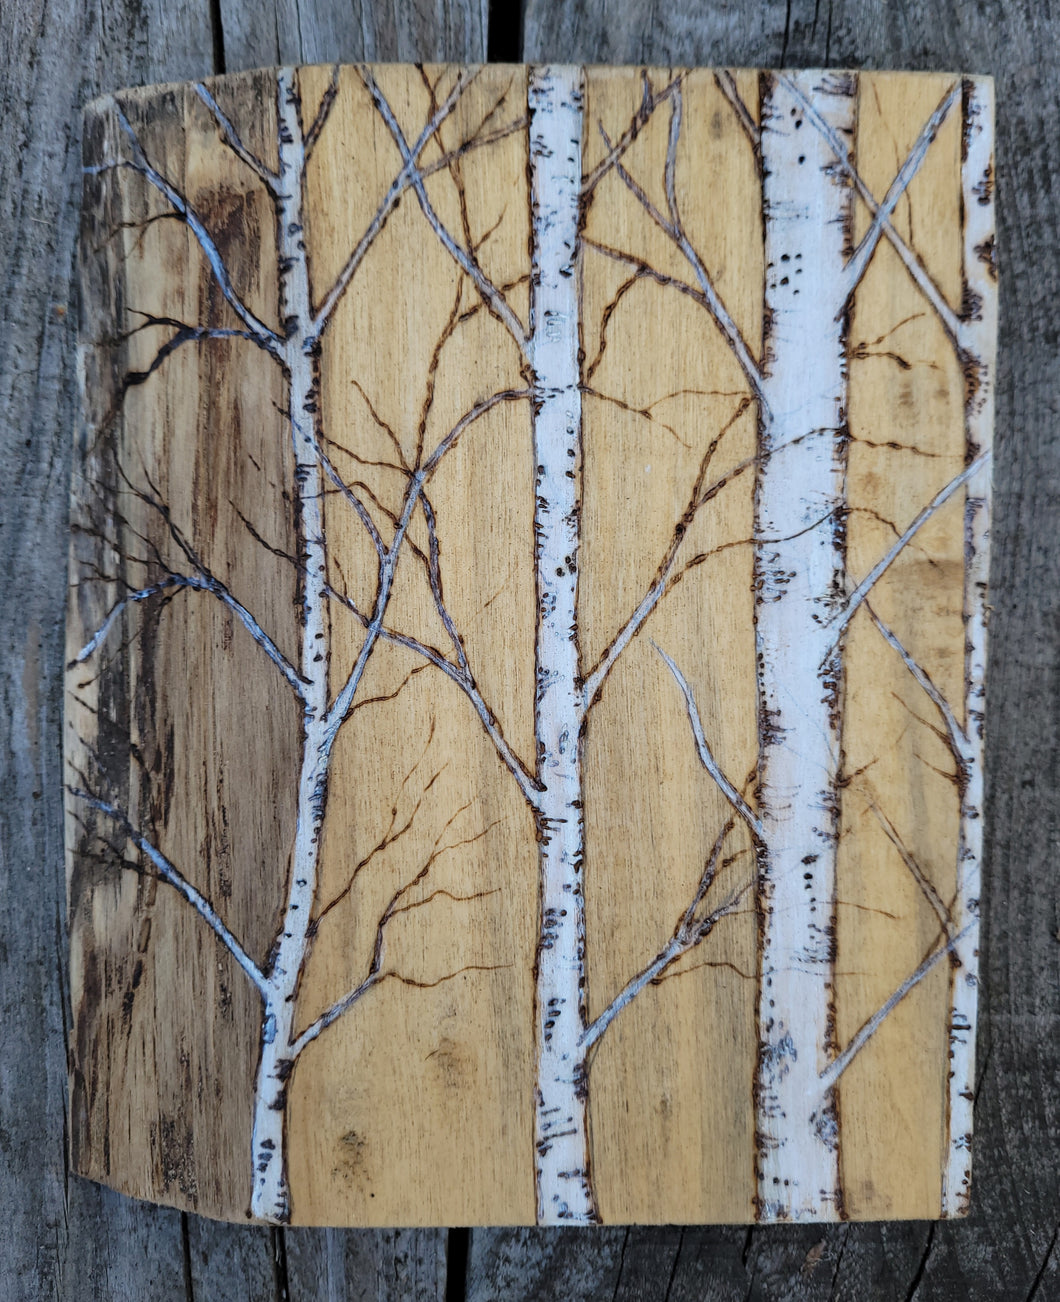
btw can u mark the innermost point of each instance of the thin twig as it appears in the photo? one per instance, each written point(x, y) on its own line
point(709, 762)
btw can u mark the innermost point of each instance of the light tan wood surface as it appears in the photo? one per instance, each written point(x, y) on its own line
point(186, 718)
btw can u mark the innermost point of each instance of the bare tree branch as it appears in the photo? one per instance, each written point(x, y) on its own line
point(347, 492)
point(387, 429)
point(709, 762)
point(842, 1061)
point(645, 271)
point(434, 572)
point(687, 936)
point(232, 140)
point(674, 228)
point(927, 887)
point(375, 970)
point(650, 101)
point(268, 338)
point(468, 418)
point(597, 676)
point(884, 563)
point(464, 258)
point(910, 259)
point(726, 83)
point(401, 183)
point(466, 682)
point(442, 893)
point(184, 334)
point(388, 563)
point(862, 255)
point(144, 594)
point(333, 1014)
point(170, 875)
point(393, 834)
point(204, 582)
point(323, 112)
point(958, 738)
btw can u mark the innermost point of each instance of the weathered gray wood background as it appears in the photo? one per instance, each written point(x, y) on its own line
point(63, 1238)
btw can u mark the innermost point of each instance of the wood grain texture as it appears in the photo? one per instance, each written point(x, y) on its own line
point(97, 1244)
point(330, 947)
point(329, 31)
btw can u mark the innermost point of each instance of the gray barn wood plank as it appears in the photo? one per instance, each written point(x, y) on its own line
point(1007, 1248)
point(55, 1240)
point(698, 1264)
point(326, 31)
point(365, 1265)
point(115, 1249)
point(523, 1263)
point(226, 1262)
point(234, 1261)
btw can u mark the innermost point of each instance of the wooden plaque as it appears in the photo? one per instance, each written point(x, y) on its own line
point(524, 746)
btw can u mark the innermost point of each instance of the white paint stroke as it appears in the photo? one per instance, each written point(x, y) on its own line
point(842, 1061)
point(202, 582)
point(561, 1122)
point(923, 881)
point(706, 756)
point(400, 184)
point(270, 1197)
point(972, 471)
point(673, 226)
point(232, 139)
point(664, 574)
point(800, 576)
point(957, 737)
point(690, 932)
point(862, 255)
point(650, 101)
point(977, 340)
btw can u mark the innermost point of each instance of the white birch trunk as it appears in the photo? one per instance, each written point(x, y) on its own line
point(561, 1122)
point(270, 1199)
point(976, 340)
point(800, 580)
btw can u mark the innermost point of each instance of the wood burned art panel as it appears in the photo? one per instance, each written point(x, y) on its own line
point(527, 635)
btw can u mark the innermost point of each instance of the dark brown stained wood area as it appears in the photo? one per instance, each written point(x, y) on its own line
point(65, 1238)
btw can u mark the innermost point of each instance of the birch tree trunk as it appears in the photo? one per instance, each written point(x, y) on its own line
point(561, 1123)
point(799, 580)
point(271, 1198)
point(976, 336)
